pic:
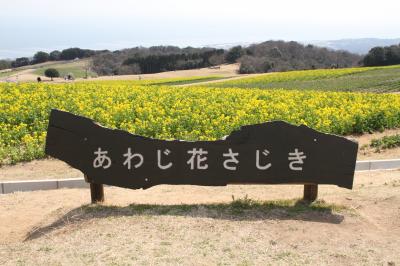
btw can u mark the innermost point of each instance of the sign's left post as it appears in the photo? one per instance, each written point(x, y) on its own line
point(96, 191)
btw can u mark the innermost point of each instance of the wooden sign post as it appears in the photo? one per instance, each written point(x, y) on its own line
point(270, 153)
point(310, 192)
point(96, 191)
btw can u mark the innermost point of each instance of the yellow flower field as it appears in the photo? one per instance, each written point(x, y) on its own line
point(190, 113)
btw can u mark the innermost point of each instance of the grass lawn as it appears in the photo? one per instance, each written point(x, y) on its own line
point(76, 68)
point(385, 79)
point(379, 80)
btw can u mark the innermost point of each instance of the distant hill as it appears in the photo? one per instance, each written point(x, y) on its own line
point(358, 46)
point(274, 56)
point(269, 56)
point(256, 58)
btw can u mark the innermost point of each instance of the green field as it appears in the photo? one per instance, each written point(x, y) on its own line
point(77, 69)
point(383, 79)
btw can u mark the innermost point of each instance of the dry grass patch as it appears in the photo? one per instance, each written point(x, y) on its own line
point(244, 209)
point(192, 225)
point(238, 209)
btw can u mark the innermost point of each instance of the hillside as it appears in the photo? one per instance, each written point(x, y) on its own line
point(274, 56)
point(77, 68)
point(269, 56)
point(257, 58)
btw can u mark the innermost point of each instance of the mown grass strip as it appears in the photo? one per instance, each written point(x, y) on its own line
point(236, 207)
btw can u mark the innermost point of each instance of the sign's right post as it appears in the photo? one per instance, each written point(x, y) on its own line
point(310, 192)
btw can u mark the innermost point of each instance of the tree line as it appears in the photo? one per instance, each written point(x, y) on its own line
point(257, 58)
point(284, 56)
point(41, 57)
point(141, 60)
point(383, 56)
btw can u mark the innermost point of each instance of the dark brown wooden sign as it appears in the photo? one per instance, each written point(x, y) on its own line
point(270, 153)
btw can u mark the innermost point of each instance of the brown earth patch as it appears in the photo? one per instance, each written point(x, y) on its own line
point(177, 225)
point(367, 153)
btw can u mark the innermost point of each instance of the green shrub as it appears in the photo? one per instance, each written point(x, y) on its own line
point(52, 73)
point(386, 142)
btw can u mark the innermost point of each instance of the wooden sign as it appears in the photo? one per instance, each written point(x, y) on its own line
point(270, 153)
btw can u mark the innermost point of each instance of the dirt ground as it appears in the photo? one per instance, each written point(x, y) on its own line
point(371, 153)
point(24, 75)
point(171, 225)
point(180, 227)
point(39, 169)
point(228, 70)
point(55, 169)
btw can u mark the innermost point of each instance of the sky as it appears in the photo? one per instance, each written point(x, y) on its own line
point(29, 26)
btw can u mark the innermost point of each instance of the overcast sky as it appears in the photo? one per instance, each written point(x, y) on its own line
point(28, 26)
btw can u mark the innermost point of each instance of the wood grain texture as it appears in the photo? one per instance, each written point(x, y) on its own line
point(329, 159)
